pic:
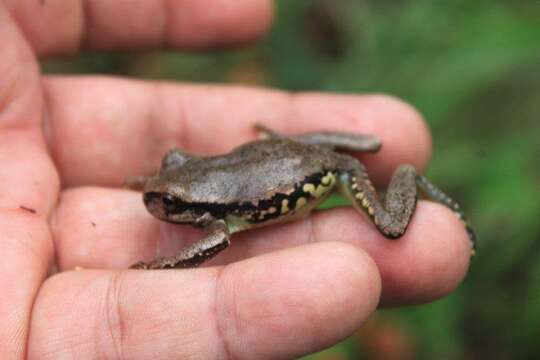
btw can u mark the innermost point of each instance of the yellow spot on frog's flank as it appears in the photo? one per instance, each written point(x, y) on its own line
point(376, 221)
point(371, 211)
point(354, 186)
point(285, 206)
point(309, 188)
point(272, 209)
point(300, 202)
point(328, 179)
point(319, 190)
point(359, 195)
point(315, 191)
point(365, 203)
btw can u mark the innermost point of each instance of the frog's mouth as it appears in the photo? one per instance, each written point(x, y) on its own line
point(153, 203)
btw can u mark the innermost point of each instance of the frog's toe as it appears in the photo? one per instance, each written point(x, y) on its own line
point(140, 266)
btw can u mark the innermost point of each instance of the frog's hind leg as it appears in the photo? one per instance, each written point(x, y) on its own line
point(341, 141)
point(392, 216)
point(432, 192)
point(335, 140)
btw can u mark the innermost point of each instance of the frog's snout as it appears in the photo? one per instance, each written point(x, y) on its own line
point(149, 198)
point(153, 202)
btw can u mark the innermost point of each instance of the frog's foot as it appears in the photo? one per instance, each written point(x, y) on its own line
point(434, 193)
point(160, 263)
point(217, 240)
point(331, 139)
point(392, 217)
point(267, 133)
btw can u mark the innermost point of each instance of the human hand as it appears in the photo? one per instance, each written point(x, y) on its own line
point(275, 293)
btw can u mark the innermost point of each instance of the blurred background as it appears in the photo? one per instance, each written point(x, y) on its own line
point(472, 68)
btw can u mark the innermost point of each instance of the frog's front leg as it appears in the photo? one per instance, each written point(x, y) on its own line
point(218, 238)
point(332, 139)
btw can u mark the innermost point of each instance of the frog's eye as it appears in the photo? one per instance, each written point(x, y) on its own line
point(168, 202)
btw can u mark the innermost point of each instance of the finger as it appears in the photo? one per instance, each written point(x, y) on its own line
point(281, 305)
point(128, 125)
point(63, 26)
point(27, 183)
point(102, 228)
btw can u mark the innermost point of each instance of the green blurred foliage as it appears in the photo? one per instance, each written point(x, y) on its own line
point(473, 70)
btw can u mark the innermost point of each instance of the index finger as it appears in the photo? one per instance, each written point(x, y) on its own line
point(63, 26)
point(103, 130)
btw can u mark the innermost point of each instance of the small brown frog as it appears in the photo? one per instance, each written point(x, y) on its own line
point(273, 180)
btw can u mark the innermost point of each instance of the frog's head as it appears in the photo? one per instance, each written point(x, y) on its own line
point(167, 201)
point(166, 195)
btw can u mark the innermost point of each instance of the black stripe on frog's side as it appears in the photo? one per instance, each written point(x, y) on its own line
point(264, 210)
point(280, 204)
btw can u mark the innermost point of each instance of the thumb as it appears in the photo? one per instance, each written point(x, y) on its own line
point(29, 186)
point(281, 305)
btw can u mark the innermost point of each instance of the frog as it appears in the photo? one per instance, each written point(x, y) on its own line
point(275, 179)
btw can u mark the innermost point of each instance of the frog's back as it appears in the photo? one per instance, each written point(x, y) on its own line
point(257, 170)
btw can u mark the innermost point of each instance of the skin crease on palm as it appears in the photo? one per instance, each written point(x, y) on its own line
point(67, 143)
